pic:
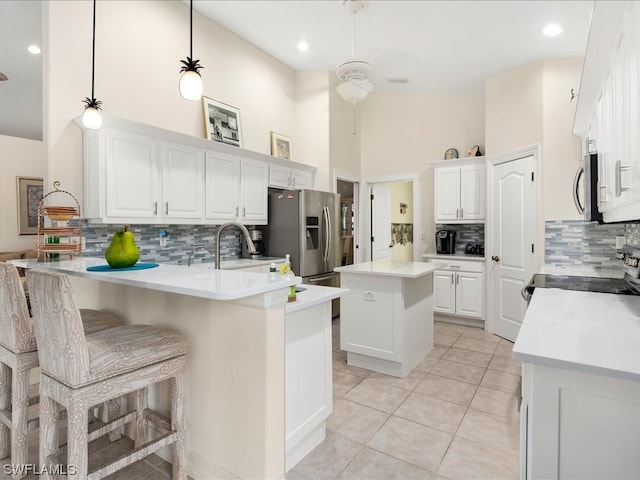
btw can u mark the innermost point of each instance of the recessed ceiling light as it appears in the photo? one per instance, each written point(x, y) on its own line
point(552, 30)
point(34, 49)
point(303, 46)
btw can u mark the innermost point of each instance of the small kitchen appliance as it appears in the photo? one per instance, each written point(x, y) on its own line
point(258, 242)
point(446, 241)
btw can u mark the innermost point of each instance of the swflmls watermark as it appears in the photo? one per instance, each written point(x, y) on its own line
point(33, 469)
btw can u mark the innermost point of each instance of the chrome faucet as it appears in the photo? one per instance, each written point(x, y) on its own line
point(198, 247)
point(250, 246)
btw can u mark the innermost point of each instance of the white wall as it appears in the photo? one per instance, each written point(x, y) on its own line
point(138, 49)
point(21, 157)
point(401, 192)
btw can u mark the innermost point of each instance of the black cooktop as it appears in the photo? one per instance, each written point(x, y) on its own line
point(585, 284)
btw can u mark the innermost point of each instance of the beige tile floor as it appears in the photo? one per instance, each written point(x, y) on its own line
point(453, 417)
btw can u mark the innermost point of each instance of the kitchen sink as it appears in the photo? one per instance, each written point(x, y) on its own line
point(300, 289)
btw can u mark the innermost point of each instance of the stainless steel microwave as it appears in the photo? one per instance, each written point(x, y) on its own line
point(585, 189)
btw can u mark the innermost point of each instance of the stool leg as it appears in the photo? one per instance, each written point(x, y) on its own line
point(77, 447)
point(140, 397)
point(19, 418)
point(179, 447)
point(48, 433)
point(5, 403)
point(113, 412)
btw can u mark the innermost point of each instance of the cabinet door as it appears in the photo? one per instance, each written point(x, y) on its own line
point(279, 176)
point(222, 185)
point(132, 176)
point(300, 179)
point(254, 192)
point(472, 192)
point(182, 182)
point(469, 294)
point(444, 291)
point(447, 194)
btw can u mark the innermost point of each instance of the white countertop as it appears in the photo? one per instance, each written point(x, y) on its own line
point(587, 332)
point(390, 268)
point(313, 295)
point(244, 262)
point(199, 280)
point(443, 256)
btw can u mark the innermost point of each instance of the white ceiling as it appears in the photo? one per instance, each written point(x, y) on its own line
point(439, 47)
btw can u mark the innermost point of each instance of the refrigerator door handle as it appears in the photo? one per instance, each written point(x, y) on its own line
point(322, 278)
point(330, 233)
point(325, 217)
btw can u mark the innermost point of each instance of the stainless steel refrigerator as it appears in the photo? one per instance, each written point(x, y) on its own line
point(306, 225)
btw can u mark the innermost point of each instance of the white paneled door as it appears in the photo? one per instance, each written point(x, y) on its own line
point(381, 222)
point(513, 247)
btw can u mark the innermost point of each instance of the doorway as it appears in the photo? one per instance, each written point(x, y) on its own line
point(349, 195)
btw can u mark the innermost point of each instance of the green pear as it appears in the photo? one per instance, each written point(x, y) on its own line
point(123, 251)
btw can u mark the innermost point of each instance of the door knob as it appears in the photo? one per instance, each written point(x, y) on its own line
point(495, 258)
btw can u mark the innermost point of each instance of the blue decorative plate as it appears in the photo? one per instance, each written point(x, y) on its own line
point(107, 268)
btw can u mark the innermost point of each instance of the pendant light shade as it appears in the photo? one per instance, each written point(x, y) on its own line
point(354, 74)
point(191, 81)
point(92, 117)
point(191, 85)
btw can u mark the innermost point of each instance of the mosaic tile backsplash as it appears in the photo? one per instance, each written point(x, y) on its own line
point(467, 233)
point(574, 242)
point(181, 239)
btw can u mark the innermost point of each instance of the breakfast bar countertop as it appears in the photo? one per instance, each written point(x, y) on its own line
point(199, 280)
point(390, 268)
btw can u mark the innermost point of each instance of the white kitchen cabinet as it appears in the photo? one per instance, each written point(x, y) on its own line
point(459, 194)
point(578, 425)
point(285, 177)
point(130, 179)
point(458, 288)
point(308, 380)
point(182, 182)
point(236, 189)
point(608, 111)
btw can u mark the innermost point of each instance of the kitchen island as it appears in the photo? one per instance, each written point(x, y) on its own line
point(386, 319)
point(235, 383)
point(580, 411)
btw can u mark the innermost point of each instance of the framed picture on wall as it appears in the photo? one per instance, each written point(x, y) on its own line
point(221, 122)
point(280, 146)
point(29, 195)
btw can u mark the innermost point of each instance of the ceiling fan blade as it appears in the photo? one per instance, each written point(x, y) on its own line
point(3, 77)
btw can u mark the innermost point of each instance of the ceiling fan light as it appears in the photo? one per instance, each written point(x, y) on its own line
point(191, 85)
point(354, 91)
point(92, 118)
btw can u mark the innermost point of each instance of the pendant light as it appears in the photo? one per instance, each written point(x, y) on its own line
point(92, 118)
point(354, 73)
point(191, 81)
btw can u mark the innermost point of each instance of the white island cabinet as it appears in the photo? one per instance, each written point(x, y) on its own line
point(580, 411)
point(386, 319)
point(241, 391)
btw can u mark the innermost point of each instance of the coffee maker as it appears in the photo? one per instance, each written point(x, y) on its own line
point(256, 238)
point(446, 241)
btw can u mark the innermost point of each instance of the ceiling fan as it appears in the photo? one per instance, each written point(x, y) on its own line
point(355, 74)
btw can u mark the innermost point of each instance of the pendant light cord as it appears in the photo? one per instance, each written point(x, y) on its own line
point(190, 29)
point(93, 53)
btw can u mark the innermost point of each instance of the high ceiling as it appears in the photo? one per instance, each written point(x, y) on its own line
point(414, 46)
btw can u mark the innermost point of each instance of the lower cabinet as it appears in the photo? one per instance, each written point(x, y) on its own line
point(578, 425)
point(459, 292)
point(308, 380)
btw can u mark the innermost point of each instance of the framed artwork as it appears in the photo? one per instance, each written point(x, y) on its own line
point(221, 122)
point(280, 146)
point(29, 195)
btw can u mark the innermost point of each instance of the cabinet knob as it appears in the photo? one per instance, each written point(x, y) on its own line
point(495, 258)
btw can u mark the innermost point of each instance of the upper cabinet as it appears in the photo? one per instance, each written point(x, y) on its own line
point(285, 177)
point(135, 173)
point(459, 193)
point(608, 110)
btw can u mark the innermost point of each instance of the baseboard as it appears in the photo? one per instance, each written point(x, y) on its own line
point(467, 322)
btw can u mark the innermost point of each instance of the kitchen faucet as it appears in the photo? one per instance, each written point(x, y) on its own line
point(198, 247)
point(250, 246)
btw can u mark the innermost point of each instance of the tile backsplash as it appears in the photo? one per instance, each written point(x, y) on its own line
point(574, 242)
point(472, 233)
point(181, 240)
